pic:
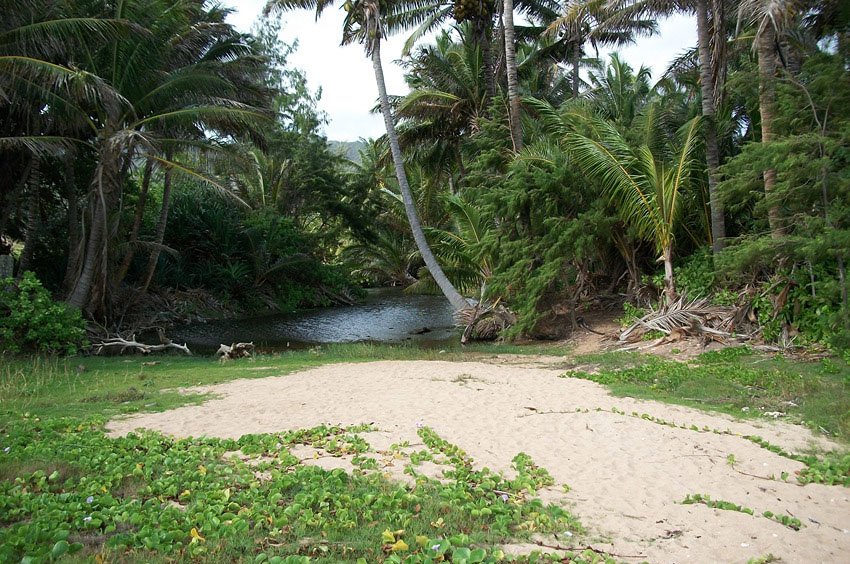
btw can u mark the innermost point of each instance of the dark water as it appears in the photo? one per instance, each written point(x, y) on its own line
point(385, 316)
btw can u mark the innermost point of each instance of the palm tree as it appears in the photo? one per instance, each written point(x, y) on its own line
point(598, 22)
point(644, 181)
point(166, 77)
point(618, 93)
point(364, 24)
point(646, 186)
point(446, 103)
point(711, 54)
point(770, 18)
point(710, 80)
point(511, 71)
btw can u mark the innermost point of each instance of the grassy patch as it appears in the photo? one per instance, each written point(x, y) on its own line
point(738, 382)
point(83, 386)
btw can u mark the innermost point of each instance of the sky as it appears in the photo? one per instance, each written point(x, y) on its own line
point(345, 74)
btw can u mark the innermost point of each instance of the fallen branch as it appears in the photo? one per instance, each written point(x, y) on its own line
point(123, 345)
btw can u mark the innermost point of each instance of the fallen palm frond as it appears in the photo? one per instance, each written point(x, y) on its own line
point(683, 317)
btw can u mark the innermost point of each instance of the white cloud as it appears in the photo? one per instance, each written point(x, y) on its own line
point(347, 80)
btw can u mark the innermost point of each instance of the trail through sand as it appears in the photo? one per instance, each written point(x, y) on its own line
point(627, 474)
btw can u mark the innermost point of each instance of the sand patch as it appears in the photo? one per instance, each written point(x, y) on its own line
point(627, 474)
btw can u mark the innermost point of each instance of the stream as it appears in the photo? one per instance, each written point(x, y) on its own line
point(386, 315)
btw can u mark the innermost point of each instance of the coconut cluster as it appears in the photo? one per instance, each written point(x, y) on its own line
point(473, 9)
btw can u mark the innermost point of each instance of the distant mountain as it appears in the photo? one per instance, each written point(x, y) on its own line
point(348, 149)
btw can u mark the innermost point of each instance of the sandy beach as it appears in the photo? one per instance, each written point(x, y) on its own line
point(627, 474)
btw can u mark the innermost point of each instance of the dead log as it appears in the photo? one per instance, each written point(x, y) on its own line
point(235, 350)
point(123, 345)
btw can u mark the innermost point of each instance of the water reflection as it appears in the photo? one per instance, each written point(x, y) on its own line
point(386, 315)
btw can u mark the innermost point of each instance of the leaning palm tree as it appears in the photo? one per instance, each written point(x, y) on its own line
point(364, 24)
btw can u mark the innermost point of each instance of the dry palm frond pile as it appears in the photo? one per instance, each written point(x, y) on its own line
point(700, 318)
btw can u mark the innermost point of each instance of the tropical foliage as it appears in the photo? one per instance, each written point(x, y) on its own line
point(158, 148)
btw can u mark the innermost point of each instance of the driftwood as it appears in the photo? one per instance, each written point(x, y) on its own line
point(235, 350)
point(123, 345)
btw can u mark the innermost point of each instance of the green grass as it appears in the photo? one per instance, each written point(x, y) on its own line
point(83, 386)
point(738, 382)
point(68, 491)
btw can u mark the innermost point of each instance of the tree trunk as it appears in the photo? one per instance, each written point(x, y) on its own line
point(511, 69)
point(159, 234)
point(73, 219)
point(669, 284)
point(575, 62)
point(9, 191)
point(137, 226)
point(90, 287)
point(80, 293)
point(457, 301)
point(712, 152)
point(767, 108)
point(33, 219)
point(482, 34)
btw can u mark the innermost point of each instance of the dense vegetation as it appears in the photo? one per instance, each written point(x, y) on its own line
point(155, 156)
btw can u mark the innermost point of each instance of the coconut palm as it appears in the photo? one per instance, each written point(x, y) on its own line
point(619, 94)
point(601, 23)
point(711, 56)
point(364, 24)
point(511, 71)
point(711, 48)
point(770, 19)
point(177, 78)
point(446, 103)
point(645, 181)
point(645, 186)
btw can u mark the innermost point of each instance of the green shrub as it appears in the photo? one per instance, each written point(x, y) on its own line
point(31, 321)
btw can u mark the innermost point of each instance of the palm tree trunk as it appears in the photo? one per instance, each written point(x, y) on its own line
point(712, 152)
point(80, 293)
point(137, 226)
point(33, 219)
point(669, 283)
point(767, 108)
point(575, 62)
point(159, 233)
point(482, 34)
point(457, 301)
point(90, 287)
point(511, 69)
point(74, 228)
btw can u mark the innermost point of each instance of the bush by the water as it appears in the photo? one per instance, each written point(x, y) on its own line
point(30, 320)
